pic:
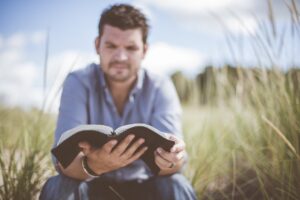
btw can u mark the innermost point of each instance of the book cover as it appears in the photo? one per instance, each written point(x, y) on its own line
point(97, 135)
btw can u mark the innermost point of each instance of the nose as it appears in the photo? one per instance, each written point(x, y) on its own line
point(121, 55)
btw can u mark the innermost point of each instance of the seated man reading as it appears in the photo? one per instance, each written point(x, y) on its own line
point(115, 93)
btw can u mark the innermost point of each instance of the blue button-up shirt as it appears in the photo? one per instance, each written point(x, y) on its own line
point(86, 99)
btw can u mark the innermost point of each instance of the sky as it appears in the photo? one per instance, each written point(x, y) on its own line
point(185, 35)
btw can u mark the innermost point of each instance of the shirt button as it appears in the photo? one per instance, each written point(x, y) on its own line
point(131, 98)
point(119, 174)
point(139, 180)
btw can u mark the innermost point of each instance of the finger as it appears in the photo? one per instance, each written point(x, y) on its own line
point(119, 150)
point(164, 154)
point(172, 137)
point(83, 144)
point(170, 157)
point(107, 147)
point(161, 162)
point(130, 151)
point(179, 143)
point(179, 156)
point(86, 148)
point(178, 147)
point(137, 155)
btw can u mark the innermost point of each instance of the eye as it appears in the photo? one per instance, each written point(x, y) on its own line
point(132, 48)
point(110, 46)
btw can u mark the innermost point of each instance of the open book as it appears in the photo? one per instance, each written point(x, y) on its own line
point(97, 135)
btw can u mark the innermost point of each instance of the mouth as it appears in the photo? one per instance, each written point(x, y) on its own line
point(119, 66)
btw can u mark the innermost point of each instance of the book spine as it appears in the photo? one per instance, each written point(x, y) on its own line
point(113, 133)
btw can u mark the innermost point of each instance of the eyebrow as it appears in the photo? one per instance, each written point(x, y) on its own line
point(109, 42)
point(112, 43)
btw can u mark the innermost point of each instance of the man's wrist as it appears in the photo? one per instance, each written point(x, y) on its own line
point(86, 168)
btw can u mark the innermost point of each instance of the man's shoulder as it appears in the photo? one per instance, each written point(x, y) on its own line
point(86, 75)
point(86, 71)
point(154, 78)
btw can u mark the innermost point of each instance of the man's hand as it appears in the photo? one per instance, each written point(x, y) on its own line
point(111, 157)
point(170, 162)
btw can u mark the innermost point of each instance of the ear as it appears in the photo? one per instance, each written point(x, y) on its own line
point(145, 50)
point(97, 45)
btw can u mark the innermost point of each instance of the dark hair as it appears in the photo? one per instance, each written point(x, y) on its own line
point(124, 17)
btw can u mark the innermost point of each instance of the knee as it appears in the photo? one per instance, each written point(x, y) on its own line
point(175, 180)
point(176, 186)
point(59, 187)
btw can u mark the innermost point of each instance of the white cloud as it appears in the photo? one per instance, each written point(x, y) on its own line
point(16, 41)
point(21, 80)
point(165, 58)
point(196, 6)
point(243, 25)
point(145, 9)
point(205, 16)
point(160, 58)
point(22, 74)
point(1, 42)
point(38, 37)
point(18, 76)
point(17, 82)
point(59, 66)
point(10, 57)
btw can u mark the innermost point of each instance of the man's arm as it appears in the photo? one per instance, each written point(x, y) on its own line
point(73, 106)
point(73, 112)
point(167, 118)
point(110, 157)
point(171, 162)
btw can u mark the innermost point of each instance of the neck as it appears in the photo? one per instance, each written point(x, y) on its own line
point(121, 87)
point(120, 92)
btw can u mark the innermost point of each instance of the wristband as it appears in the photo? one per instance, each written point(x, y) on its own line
point(87, 169)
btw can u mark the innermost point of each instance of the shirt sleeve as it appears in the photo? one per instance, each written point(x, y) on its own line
point(73, 106)
point(167, 110)
point(167, 113)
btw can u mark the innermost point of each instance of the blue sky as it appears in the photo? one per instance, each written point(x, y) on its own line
point(185, 35)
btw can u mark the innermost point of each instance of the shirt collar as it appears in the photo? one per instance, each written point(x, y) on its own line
point(136, 88)
point(101, 77)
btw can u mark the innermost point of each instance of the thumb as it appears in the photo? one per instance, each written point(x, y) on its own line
point(86, 148)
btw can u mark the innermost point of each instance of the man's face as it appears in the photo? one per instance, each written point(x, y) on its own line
point(121, 52)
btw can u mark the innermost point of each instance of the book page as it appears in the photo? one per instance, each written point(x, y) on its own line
point(126, 127)
point(86, 127)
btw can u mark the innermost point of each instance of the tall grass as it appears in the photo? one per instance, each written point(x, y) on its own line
point(24, 152)
point(246, 146)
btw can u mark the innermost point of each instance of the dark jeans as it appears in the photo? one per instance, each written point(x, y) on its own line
point(174, 187)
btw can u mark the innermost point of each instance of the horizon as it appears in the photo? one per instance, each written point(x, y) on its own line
point(196, 33)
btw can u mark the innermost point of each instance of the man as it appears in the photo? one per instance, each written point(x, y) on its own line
point(115, 93)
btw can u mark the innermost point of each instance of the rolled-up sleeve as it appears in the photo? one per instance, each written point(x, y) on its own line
point(73, 106)
point(167, 110)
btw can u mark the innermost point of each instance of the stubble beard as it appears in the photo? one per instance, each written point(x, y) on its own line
point(120, 75)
